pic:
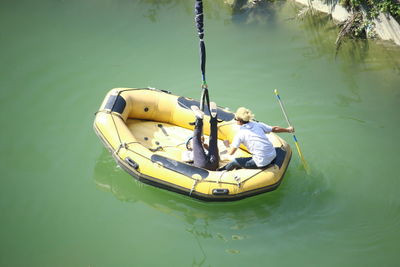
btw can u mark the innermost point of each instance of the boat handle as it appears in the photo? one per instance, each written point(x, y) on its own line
point(220, 191)
point(132, 163)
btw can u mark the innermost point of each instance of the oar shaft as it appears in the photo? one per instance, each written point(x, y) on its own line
point(294, 136)
point(283, 109)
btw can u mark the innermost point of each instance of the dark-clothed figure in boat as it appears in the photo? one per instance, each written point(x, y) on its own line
point(199, 155)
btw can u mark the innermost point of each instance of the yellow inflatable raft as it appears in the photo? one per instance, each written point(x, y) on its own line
point(146, 130)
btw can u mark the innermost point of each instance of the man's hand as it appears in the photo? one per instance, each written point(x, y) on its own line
point(226, 143)
point(290, 129)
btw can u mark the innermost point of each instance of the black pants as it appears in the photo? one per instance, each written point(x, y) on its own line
point(210, 160)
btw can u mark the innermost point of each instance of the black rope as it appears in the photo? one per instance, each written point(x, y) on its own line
point(205, 99)
point(199, 18)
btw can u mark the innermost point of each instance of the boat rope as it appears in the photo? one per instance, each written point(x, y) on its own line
point(122, 145)
point(199, 19)
point(237, 179)
point(220, 177)
point(163, 147)
point(159, 148)
point(194, 185)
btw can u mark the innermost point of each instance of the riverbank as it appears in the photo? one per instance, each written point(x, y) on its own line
point(384, 26)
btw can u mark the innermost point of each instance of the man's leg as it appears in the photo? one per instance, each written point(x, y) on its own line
point(239, 163)
point(250, 164)
point(213, 153)
point(199, 156)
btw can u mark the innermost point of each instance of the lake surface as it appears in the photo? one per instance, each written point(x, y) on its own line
point(64, 202)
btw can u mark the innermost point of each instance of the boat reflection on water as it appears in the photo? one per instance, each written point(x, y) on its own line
point(264, 208)
point(296, 202)
point(109, 177)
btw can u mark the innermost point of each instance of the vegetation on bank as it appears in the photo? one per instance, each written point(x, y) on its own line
point(374, 7)
point(360, 24)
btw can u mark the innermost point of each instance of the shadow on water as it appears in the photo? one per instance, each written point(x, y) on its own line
point(258, 12)
point(156, 6)
point(298, 196)
point(354, 57)
point(243, 11)
point(321, 34)
point(212, 9)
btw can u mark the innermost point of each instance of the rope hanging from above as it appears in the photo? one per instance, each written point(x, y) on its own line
point(199, 18)
point(200, 29)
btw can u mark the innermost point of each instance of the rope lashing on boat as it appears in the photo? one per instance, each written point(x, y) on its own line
point(237, 179)
point(159, 148)
point(194, 185)
point(122, 145)
point(199, 19)
point(220, 177)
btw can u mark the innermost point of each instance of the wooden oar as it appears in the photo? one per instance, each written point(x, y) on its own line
point(294, 136)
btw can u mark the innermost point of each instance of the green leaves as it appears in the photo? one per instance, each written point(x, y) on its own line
point(374, 7)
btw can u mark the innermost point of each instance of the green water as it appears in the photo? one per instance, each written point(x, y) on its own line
point(64, 202)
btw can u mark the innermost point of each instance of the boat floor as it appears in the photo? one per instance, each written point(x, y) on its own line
point(170, 140)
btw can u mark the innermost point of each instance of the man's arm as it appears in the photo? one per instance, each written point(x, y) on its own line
point(231, 150)
point(277, 129)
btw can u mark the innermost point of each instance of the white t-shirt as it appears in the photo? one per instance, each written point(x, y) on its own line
point(252, 135)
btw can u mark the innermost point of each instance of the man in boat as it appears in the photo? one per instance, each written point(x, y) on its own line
point(199, 155)
point(252, 136)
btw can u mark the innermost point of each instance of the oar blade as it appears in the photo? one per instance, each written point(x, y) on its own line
point(303, 160)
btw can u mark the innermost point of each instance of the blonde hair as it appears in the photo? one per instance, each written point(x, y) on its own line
point(244, 114)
